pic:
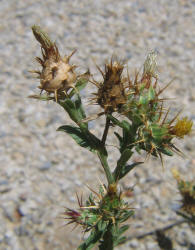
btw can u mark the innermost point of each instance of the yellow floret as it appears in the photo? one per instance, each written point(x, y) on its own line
point(182, 127)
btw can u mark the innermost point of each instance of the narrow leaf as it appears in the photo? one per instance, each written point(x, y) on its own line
point(119, 137)
point(81, 138)
point(124, 124)
point(90, 242)
point(80, 84)
point(126, 216)
point(120, 241)
point(79, 107)
point(102, 225)
point(128, 168)
point(41, 97)
point(75, 110)
point(125, 156)
point(151, 94)
point(127, 153)
point(123, 229)
point(70, 108)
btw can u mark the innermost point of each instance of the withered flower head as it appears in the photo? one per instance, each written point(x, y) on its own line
point(111, 93)
point(182, 127)
point(57, 75)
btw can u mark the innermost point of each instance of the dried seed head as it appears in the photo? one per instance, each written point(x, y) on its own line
point(57, 75)
point(111, 93)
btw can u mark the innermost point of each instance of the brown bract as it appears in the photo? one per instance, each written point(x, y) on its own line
point(111, 93)
point(57, 75)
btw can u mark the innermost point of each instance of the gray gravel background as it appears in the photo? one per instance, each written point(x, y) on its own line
point(41, 169)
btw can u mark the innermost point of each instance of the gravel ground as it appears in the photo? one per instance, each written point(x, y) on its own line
point(41, 169)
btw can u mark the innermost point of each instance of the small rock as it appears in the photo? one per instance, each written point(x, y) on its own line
point(134, 244)
point(4, 188)
point(21, 231)
point(46, 166)
point(41, 229)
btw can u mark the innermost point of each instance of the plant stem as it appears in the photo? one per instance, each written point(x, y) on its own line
point(107, 243)
point(106, 130)
point(106, 167)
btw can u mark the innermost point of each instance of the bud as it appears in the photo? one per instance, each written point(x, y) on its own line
point(150, 64)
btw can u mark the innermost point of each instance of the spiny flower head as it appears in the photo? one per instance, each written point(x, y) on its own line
point(111, 93)
point(73, 216)
point(143, 102)
point(187, 191)
point(182, 127)
point(57, 75)
point(106, 206)
point(145, 109)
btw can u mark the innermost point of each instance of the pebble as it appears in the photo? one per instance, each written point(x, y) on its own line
point(134, 244)
point(4, 186)
point(45, 166)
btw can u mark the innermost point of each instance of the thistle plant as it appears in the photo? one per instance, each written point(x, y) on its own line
point(131, 103)
point(187, 191)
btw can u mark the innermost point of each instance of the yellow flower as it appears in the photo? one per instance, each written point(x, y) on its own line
point(182, 127)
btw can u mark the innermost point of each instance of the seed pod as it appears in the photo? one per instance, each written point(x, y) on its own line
point(57, 75)
point(111, 93)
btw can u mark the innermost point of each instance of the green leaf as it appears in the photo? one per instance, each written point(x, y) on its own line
point(80, 84)
point(165, 151)
point(127, 153)
point(125, 170)
point(126, 216)
point(151, 94)
point(70, 108)
point(102, 225)
point(159, 132)
point(123, 229)
point(82, 139)
point(79, 107)
point(90, 242)
point(143, 100)
point(124, 124)
point(125, 156)
point(41, 97)
point(119, 138)
point(142, 87)
point(75, 110)
point(118, 232)
point(120, 241)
